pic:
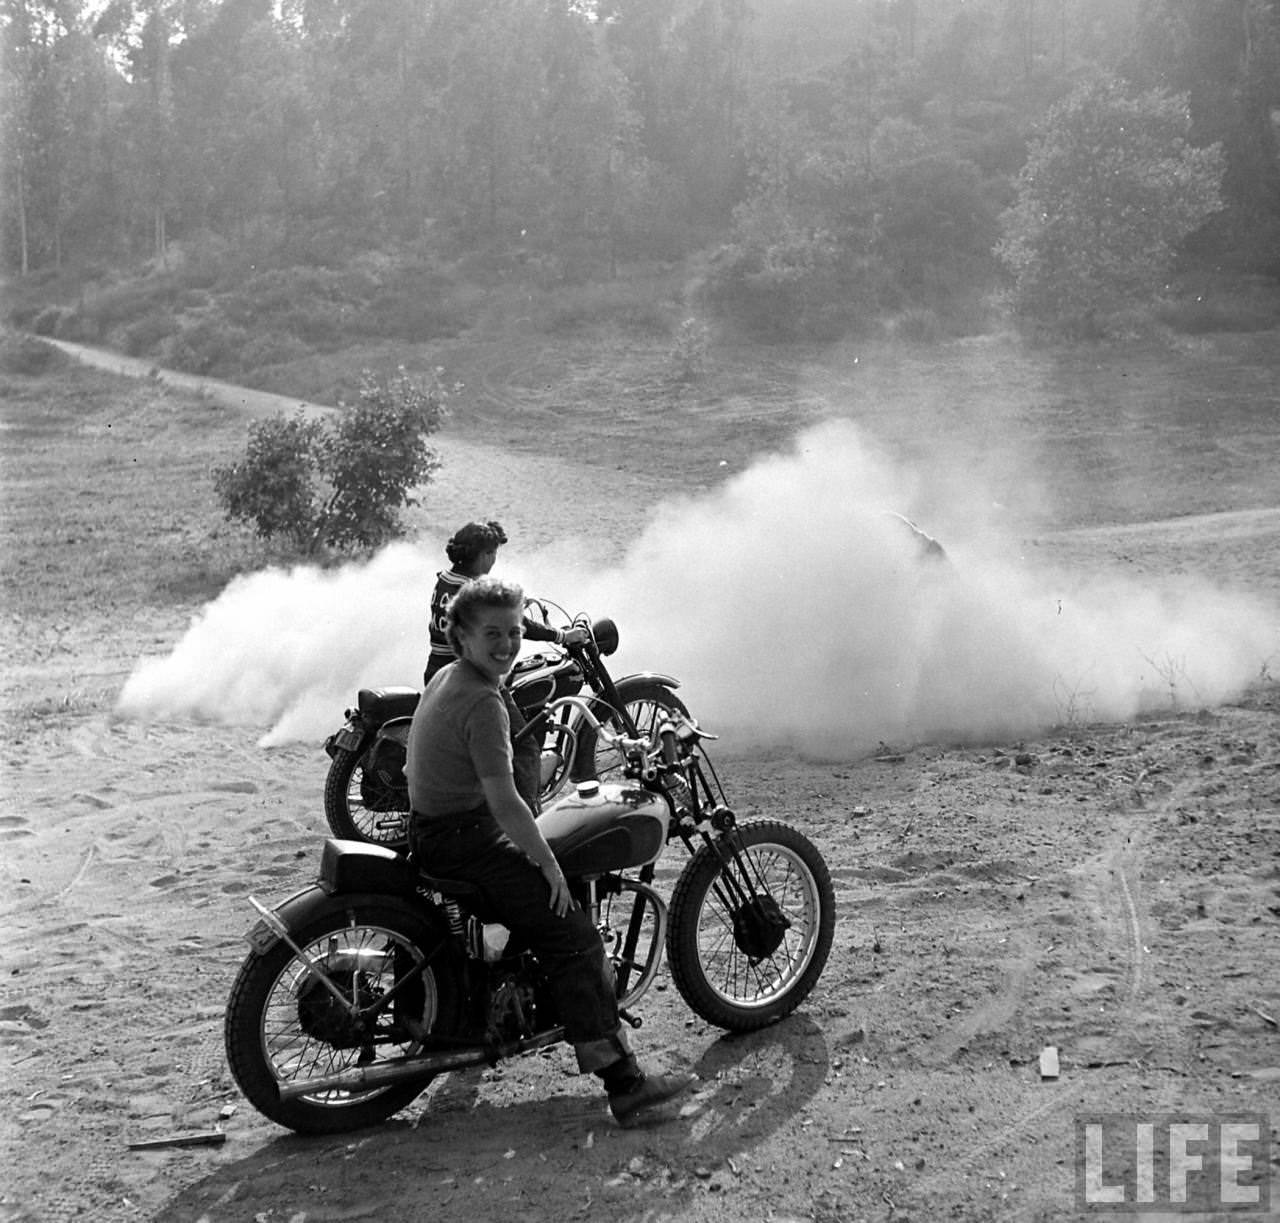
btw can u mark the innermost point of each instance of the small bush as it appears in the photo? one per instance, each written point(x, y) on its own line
point(28, 356)
point(692, 347)
point(339, 485)
point(320, 324)
point(413, 315)
point(270, 349)
point(144, 336)
point(273, 486)
point(127, 302)
point(918, 324)
point(50, 321)
point(209, 345)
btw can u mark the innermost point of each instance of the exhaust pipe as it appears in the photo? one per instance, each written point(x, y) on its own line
point(407, 1069)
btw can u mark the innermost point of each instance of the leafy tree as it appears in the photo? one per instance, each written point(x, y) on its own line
point(1225, 54)
point(341, 485)
point(49, 111)
point(1109, 190)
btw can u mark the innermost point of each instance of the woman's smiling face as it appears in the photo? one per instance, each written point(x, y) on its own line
point(492, 641)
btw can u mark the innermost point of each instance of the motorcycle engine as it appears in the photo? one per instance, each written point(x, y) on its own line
point(511, 1009)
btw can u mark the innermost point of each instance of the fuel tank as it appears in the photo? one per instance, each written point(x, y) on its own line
point(605, 827)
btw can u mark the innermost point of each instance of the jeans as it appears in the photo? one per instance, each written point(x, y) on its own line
point(568, 948)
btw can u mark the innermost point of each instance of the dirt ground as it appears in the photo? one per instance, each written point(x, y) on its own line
point(1112, 891)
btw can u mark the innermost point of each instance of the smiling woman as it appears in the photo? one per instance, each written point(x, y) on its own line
point(472, 820)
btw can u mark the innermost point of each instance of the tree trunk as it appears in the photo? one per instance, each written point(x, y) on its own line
point(22, 219)
point(161, 240)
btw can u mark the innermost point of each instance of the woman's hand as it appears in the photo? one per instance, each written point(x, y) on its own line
point(575, 636)
point(561, 900)
point(517, 821)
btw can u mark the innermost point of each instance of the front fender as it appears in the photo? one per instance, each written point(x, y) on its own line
point(667, 681)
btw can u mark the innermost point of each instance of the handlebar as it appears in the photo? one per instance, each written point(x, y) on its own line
point(607, 733)
point(648, 757)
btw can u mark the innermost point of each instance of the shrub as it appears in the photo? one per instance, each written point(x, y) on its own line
point(273, 486)
point(918, 324)
point(340, 484)
point(405, 314)
point(49, 321)
point(786, 277)
point(271, 349)
point(209, 345)
point(130, 300)
point(936, 227)
point(147, 333)
point(27, 356)
point(689, 356)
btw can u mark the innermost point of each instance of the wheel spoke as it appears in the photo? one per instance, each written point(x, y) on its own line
point(306, 1033)
point(732, 972)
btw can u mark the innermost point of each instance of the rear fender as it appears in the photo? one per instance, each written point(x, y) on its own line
point(308, 906)
point(397, 730)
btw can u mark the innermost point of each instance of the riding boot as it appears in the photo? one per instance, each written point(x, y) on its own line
point(635, 1097)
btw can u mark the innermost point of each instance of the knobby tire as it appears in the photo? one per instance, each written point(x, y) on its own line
point(730, 976)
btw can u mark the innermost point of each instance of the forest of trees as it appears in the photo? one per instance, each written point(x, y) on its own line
point(883, 151)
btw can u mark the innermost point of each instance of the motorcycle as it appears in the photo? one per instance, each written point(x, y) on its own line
point(361, 989)
point(366, 796)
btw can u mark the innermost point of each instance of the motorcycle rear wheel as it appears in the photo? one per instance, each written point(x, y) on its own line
point(346, 813)
point(732, 958)
point(283, 1027)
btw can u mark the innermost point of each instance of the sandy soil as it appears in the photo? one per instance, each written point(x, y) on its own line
point(1111, 891)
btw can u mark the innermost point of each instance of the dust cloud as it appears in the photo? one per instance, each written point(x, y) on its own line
point(796, 607)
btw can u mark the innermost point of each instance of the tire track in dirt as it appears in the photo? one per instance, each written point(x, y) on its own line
point(1114, 900)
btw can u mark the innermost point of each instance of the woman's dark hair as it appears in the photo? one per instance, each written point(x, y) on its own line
point(474, 596)
point(469, 541)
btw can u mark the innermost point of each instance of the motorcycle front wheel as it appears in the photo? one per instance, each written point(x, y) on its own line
point(751, 923)
point(286, 1028)
point(348, 816)
point(647, 702)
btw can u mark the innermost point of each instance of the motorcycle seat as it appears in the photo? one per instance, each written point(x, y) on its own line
point(387, 703)
point(455, 889)
point(470, 896)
